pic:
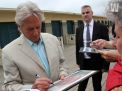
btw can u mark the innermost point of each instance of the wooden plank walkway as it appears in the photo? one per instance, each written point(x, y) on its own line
point(69, 51)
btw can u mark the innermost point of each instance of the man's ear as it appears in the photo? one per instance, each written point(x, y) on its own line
point(92, 12)
point(19, 28)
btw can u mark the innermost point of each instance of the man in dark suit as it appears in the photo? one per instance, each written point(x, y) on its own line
point(90, 61)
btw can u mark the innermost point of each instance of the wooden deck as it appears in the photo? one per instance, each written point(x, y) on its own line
point(69, 51)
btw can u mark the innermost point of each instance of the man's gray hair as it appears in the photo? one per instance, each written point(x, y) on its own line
point(114, 11)
point(26, 9)
point(85, 6)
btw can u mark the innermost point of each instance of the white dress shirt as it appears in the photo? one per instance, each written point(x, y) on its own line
point(85, 30)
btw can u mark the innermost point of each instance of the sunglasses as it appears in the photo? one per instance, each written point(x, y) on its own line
point(85, 12)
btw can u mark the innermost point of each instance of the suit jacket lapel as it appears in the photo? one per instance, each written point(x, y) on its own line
point(27, 50)
point(48, 52)
point(82, 30)
point(81, 33)
point(94, 31)
point(47, 49)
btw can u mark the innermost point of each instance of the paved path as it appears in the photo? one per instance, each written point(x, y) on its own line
point(69, 52)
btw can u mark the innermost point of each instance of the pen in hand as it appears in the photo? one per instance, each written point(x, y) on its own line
point(38, 76)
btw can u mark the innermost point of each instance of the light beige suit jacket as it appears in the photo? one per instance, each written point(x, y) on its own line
point(21, 63)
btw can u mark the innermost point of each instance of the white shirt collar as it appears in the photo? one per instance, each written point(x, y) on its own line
point(91, 23)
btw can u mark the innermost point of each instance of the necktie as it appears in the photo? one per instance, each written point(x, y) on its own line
point(88, 36)
point(87, 55)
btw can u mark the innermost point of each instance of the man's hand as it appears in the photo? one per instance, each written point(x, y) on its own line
point(42, 84)
point(62, 77)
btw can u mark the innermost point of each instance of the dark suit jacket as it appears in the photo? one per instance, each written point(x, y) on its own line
point(96, 62)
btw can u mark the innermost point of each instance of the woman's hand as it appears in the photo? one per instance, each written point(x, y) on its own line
point(111, 55)
point(101, 43)
point(117, 88)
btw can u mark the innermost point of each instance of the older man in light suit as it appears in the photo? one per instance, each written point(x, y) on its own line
point(33, 53)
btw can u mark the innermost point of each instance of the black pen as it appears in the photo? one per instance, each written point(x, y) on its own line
point(52, 84)
point(38, 76)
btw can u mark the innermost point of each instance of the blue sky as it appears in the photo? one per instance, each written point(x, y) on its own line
point(72, 6)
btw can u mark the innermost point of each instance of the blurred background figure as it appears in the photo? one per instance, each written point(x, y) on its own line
point(86, 33)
